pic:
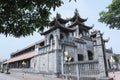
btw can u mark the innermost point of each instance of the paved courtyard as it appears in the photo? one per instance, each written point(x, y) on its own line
point(21, 76)
point(26, 76)
point(7, 77)
point(115, 75)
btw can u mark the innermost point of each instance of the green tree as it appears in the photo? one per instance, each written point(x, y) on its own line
point(23, 17)
point(111, 16)
point(116, 57)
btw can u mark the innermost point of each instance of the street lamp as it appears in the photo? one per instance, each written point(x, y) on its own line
point(2, 68)
point(23, 63)
point(112, 61)
point(7, 69)
point(68, 58)
point(113, 66)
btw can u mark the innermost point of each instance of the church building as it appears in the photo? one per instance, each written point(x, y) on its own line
point(66, 40)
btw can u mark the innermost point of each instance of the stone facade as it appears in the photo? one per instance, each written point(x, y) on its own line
point(74, 36)
point(69, 48)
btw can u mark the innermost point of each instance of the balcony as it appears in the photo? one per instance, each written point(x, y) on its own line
point(46, 49)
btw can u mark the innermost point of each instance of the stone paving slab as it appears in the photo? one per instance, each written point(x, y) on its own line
point(115, 75)
point(7, 77)
point(25, 76)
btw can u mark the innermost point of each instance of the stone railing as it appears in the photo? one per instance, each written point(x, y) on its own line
point(81, 69)
point(22, 70)
point(66, 42)
point(46, 49)
point(49, 48)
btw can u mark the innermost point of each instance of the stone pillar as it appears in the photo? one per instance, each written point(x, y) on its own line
point(77, 32)
point(62, 62)
point(48, 62)
point(47, 37)
point(95, 51)
point(51, 44)
point(56, 42)
point(56, 63)
point(46, 41)
point(98, 48)
point(76, 59)
point(56, 56)
point(85, 52)
point(36, 49)
point(83, 33)
point(101, 63)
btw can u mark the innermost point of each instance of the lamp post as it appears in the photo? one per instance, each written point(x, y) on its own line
point(7, 69)
point(23, 64)
point(112, 61)
point(68, 58)
point(2, 68)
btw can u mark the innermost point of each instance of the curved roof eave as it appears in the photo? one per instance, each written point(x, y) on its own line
point(58, 25)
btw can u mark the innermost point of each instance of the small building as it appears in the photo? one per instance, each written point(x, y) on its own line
point(22, 58)
point(85, 48)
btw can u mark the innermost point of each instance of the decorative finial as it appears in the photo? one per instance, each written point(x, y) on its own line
point(76, 12)
point(58, 15)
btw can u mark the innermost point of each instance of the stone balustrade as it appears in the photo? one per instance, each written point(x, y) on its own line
point(81, 69)
point(49, 48)
point(46, 49)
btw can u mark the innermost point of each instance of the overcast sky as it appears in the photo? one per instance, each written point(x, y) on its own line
point(87, 9)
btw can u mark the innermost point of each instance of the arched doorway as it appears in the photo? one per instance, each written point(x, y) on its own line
point(51, 39)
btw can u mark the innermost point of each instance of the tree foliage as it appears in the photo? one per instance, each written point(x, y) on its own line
point(23, 17)
point(111, 17)
point(116, 57)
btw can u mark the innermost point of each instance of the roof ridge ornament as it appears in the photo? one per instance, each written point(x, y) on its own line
point(76, 12)
point(77, 17)
point(56, 19)
point(58, 15)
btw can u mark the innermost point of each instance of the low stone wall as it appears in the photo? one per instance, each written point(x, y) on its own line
point(85, 69)
point(22, 70)
point(31, 71)
point(105, 78)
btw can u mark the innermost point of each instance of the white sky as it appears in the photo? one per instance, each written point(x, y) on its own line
point(87, 9)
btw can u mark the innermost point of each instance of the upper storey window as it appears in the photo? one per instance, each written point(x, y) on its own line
point(61, 37)
point(51, 39)
point(90, 55)
point(80, 57)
